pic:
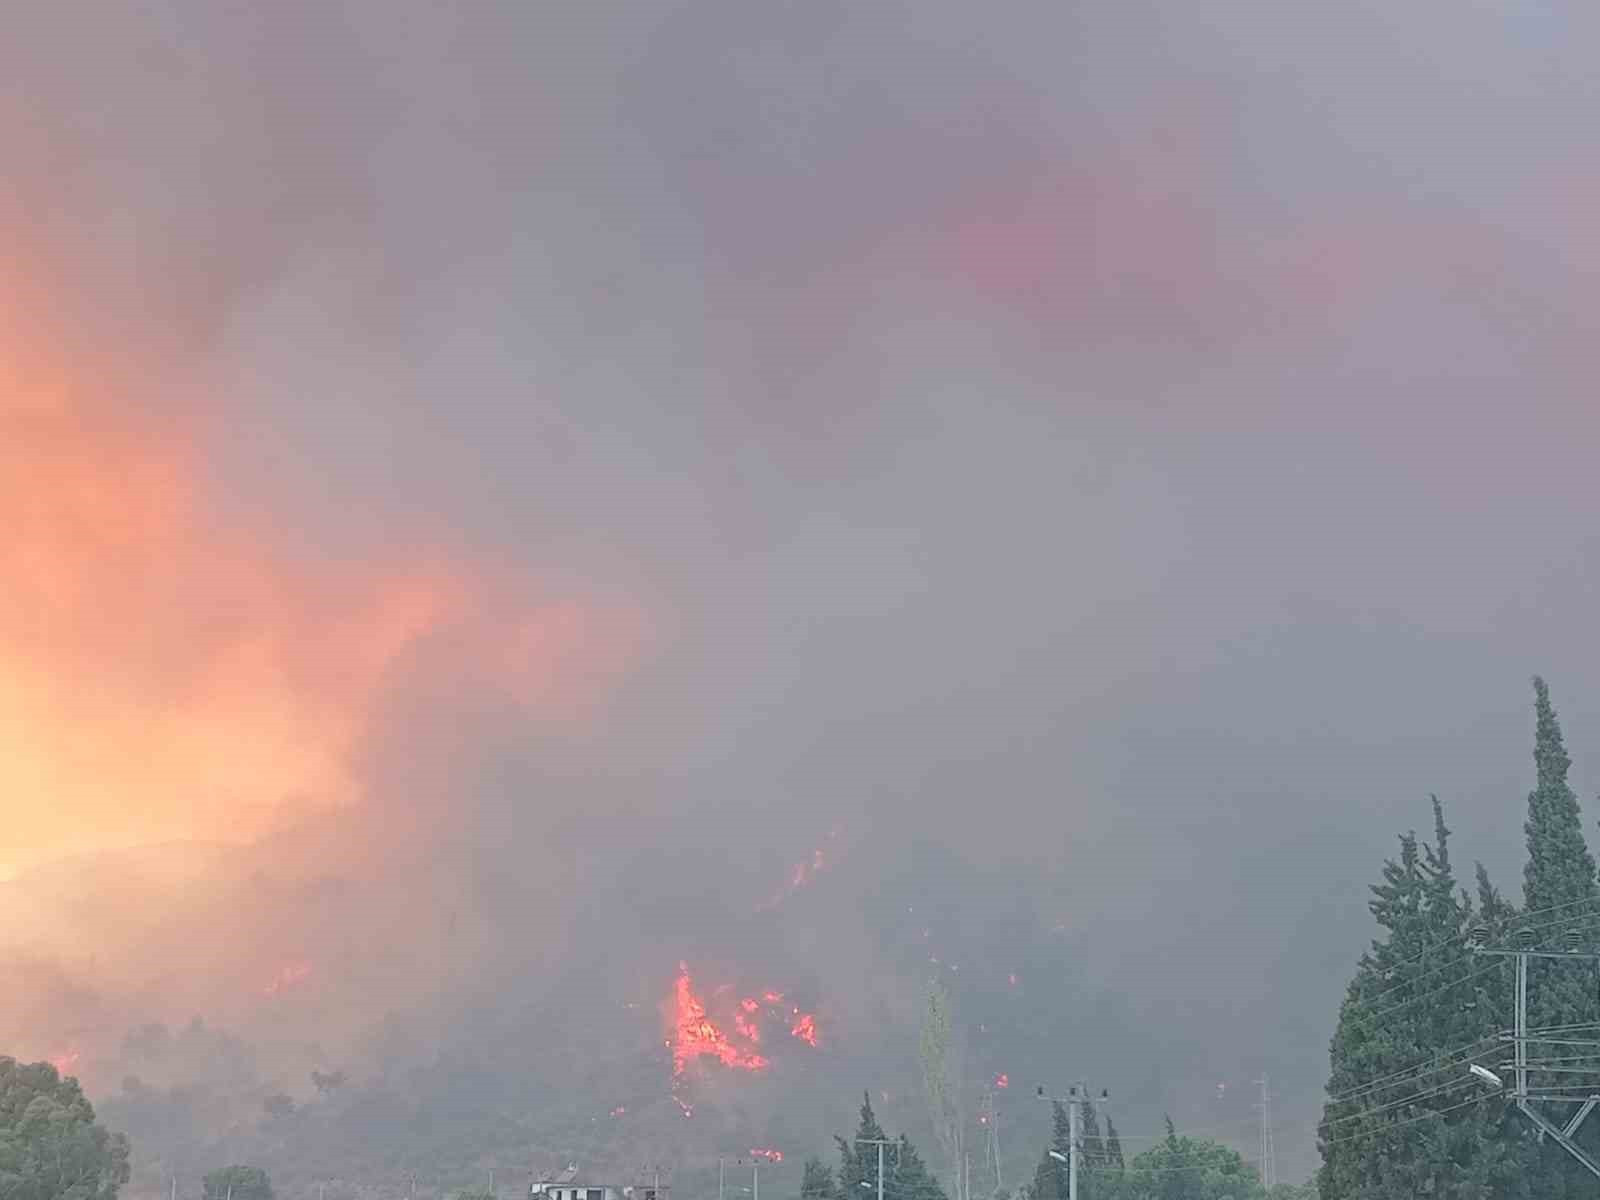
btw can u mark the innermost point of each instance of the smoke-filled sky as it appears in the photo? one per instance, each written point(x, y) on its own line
point(1143, 448)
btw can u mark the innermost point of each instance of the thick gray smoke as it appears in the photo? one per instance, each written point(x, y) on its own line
point(1109, 461)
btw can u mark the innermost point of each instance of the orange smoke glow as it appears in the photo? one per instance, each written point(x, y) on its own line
point(289, 976)
point(164, 676)
point(775, 1156)
point(695, 1035)
point(745, 1023)
point(803, 873)
point(65, 1061)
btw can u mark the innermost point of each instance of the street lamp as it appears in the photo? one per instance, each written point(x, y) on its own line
point(1057, 1155)
point(1486, 1075)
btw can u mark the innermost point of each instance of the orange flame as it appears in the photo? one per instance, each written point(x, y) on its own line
point(696, 1035)
point(1002, 1080)
point(805, 1028)
point(803, 873)
point(770, 1155)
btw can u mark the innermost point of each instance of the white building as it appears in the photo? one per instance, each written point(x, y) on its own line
point(570, 1185)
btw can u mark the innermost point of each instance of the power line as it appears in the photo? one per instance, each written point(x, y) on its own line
point(1479, 974)
point(1366, 1113)
point(1427, 1116)
point(1448, 1058)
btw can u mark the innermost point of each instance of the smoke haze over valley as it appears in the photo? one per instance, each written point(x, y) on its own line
point(531, 526)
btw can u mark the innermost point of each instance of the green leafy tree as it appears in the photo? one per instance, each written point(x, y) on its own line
point(238, 1183)
point(1185, 1168)
point(1411, 1017)
point(51, 1147)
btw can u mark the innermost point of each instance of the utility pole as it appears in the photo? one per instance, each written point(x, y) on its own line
point(1075, 1152)
point(1269, 1158)
point(880, 1143)
point(722, 1176)
point(1077, 1096)
point(755, 1178)
point(1520, 1037)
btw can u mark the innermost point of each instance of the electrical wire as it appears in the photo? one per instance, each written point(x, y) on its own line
point(1438, 1090)
point(1449, 1059)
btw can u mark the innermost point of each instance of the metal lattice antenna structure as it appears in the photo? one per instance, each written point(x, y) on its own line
point(990, 1120)
point(1521, 1037)
point(1269, 1157)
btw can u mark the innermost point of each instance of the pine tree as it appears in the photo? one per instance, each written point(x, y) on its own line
point(905, 1175)
point(1113, 1145)
point(817, 1181)
point(1047, 1181)
point(858, 1163)
point(1413, 1002)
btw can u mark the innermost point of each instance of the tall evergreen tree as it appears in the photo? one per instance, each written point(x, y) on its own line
point(816, 1182)
point(905, 1175)
point(1397, 1053)
point(1048, 1183)
point(1113, 1145)
point(1560, 869)
point(1559, 895)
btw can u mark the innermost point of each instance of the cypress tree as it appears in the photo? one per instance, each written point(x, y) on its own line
point(1047, 1182)
point(1560, 869)
point(1559, 895)
point(1395, 1056)
point(1113, 1145)
point(858, 1164)
point(817, 1181)
point(905, 1175)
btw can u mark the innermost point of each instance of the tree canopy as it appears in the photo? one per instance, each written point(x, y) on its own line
point(51, 1147)
point(238, 1183)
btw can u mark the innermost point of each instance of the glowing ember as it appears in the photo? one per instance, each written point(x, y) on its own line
point(774, 997)
point(289, 976)
point(805, 1028)
point(769, 1155)
point(1002, 1080)
point(65, 1061)
point(750, 1005)
point(618, 1111)
point(803, 873)
point(695, 1034)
